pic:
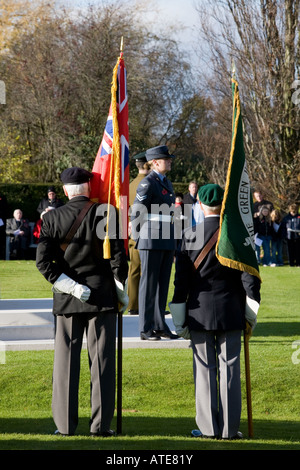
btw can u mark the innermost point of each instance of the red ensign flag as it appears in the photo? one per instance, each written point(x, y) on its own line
point(110, 182)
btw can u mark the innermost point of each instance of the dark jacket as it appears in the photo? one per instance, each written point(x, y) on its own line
point(215, 294)
point(152, 197)
point(291, 227)
point(44, 203)
point(12, 225)
point(83, 260)
point(263, 227)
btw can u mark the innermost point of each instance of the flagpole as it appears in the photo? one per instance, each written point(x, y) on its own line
point(120, 347)
point(248, 330)
point(247, 335)
point(119, 372)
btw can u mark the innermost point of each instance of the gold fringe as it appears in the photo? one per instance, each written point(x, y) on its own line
point(115, 158)
point(235, 120)
point(237, 265)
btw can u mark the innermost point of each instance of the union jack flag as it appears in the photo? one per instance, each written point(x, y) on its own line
point(110, 182)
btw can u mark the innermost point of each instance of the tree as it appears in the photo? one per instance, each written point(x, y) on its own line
point(18, 16)
point(263, 39)
point(58, 75)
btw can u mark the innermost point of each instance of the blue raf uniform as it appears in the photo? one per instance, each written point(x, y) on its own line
point(153, 229)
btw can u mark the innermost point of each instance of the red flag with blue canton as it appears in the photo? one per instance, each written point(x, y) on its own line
point(110, 182)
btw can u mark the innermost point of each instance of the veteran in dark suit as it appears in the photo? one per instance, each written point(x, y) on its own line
point(85, 300)
point(153, 228)
point(18, 230)
point(212, 302)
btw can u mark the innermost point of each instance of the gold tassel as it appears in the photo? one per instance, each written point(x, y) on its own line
point(106, 247)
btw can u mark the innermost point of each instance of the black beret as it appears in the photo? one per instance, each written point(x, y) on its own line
point(51, 189)
point(157, 153)
point(211, 195)
point(75, 175)
point(140, 157)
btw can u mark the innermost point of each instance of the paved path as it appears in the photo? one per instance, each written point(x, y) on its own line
point(27, 324)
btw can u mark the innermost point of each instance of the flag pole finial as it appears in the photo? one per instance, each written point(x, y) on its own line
point(121, 45)
point(233, 68)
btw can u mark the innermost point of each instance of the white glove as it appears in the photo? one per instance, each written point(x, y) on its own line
point(178, 312)
point(251, 312)
point(122, 294)
point(66, 285)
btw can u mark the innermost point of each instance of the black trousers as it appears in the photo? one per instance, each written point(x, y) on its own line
point(294, 252)
point(156, 268)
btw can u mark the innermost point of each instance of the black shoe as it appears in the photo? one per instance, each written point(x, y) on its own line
point(133, 312)
point(164, 334)
point(57, 433)
point(150, 336)
point(238, 435)
point(109, 433)
point(198, 433)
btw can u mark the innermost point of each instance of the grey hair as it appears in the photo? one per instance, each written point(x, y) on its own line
point(77, 189)
point(213, 209)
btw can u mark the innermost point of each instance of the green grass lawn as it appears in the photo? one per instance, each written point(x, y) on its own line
point(158, 400)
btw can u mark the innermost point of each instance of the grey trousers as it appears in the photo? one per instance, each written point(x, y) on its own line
point(101, 345)
point(216, 362)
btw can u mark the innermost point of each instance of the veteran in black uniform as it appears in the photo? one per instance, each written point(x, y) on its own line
point(217, 299)
point(85, 300)
point(153, 228)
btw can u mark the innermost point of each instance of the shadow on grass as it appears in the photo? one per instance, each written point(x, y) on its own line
point(141, 433)
point(279, 328)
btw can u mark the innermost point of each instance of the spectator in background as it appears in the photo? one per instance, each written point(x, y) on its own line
point(259, 202)
point(263, 230)
point(179, 218)
point(18, 230)
point(191, 206)
point(38, 224)
point(277, 238)
point(3, 217)
point(291, 231)
point(178, 199)
point(50, 201)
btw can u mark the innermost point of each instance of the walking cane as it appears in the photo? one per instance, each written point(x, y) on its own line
point(247, 335)
point(119, 373)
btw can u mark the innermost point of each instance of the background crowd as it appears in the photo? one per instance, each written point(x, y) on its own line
point(277, 232)
point(18, 229)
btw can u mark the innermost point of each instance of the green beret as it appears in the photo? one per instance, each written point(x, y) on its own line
point(211, 195)
point(140, 157)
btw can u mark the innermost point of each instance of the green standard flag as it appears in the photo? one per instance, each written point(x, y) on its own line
point(235, 246)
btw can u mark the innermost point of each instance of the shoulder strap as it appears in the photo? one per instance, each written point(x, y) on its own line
point(206, 249)
point(76, 224)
